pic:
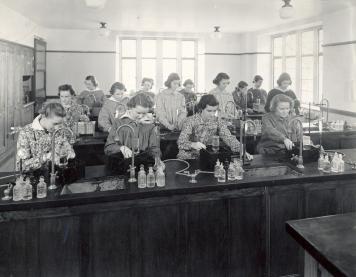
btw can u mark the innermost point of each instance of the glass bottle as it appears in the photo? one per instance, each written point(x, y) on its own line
point(27, 190)
point(17, 190)
point(222, 175)
point(335, 163)
point(231, 172)
point(341, 164)
point(160, 178)
point(41, 188)
point(321, 162)
point(142, 178)
point(327, 164)
point(217, 169)
point(239, 171)
point(151, 180)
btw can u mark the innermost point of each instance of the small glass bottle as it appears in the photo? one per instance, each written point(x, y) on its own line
point(231, 172)
point(321, 162)
point(217, 169)
point(27, 190)
point(160, 178)
point(142, 178)
point(222, 175)
point(17, 190)
point(341, 164)
point(327, 165)
point(335, 163)
point(151, 180)
point(41, 188)
point(239, 171)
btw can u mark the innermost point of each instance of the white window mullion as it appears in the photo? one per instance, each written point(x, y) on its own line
point(159, 65)
point(298, 82)
point(138, 63)
point(179, 58)
point(316, 66)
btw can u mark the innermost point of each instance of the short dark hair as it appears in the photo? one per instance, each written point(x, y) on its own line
point(284, 77)
point(257, 78)
point(92, 79)
point(205, 100)
point(51, 109)
point(140, 100)
point(147, 80)
point(242, 84)
point(172, 77)
point(117, 85)
point(66, 87)
point(219, 77)
point(279, 98)
point(188, 82)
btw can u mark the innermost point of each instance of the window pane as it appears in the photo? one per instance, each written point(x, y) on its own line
point(277, 69)
point(129, 74)
point(291, 68)
point(188, 49)
point(320, 78)
point(307, 79)
point(169, 66)
point(169, 49)
point(307, 42)
point(321, 40)
point(149, 70)
point(128, 48)
point(277, 46)
point(149, 48)
point(188, 70)
point(291, 45)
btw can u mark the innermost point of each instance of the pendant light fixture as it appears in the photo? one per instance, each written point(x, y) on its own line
point(95, 4)
point(103, 30)
point(287, 10)
point(216, 34)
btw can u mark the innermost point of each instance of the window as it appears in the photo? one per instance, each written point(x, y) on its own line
point(300, 54)
point(156, 58)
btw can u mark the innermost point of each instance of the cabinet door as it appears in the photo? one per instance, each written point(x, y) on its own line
point(10, 93)
point(3, 99)
point(247, 221)
point(285, 255)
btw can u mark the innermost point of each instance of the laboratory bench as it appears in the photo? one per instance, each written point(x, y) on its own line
point(208, 228)
point(329, 243)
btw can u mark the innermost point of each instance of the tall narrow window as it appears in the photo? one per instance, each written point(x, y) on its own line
point(307, 85)
point(188, 60)
point(149, 60)
point(320, 64)
point(128, 63)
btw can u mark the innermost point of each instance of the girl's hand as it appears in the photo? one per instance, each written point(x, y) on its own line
point(126, 151)
point(198, 146)
point(288, 143)
point(249, 157)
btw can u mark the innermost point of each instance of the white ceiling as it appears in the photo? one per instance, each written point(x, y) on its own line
point(170, 15)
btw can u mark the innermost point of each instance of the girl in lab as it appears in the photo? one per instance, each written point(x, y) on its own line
point(222, 80)
point(243, 99)
point(170, 104)
point(277, 136)
point(189, 95)
point(199, 129)
point(114, 107)
point(74, 112)
point(284, 81)
point(147, 84)
point(121, 144)
point(34, 141)
point(259, 94)
point(92, 96)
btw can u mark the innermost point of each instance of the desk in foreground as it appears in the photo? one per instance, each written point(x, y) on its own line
point(329, 243)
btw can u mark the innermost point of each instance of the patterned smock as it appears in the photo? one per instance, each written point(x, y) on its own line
point(34, 142)
point(74, 114)
point(195, 129)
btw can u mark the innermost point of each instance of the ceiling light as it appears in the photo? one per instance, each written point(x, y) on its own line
point(287, 10)
point(95, 4)
point(103, 30)
point(216, 34)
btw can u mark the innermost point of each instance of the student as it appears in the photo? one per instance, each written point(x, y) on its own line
point(93, 97)
point(189, 95)
point(199, 129)
point(283, 82)
point(222, 80)
point(34, 145)
point(114, 107)
point(257, 92)
point(243, 99)
point(74, 112)
point(147, 84)
point(170, 104)
point(275, 127)
point(119, 148)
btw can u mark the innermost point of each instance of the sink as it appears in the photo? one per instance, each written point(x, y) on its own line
point(99, 184)
point(271, 171)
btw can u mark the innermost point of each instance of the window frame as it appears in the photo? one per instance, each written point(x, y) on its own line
point(159, 80)
point(317, 74)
